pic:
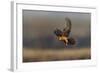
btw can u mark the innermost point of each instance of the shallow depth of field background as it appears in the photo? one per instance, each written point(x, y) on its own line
point(39, 40)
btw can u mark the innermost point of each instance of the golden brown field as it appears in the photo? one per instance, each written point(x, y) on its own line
point(36, 55)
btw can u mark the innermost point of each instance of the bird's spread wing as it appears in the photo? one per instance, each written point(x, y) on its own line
point(67, 29)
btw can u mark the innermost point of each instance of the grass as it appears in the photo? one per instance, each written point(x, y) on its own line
point(36, 55)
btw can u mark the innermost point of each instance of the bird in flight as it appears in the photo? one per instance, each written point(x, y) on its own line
point(64, 35)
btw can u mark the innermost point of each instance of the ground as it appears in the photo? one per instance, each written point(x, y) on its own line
point(36, 55)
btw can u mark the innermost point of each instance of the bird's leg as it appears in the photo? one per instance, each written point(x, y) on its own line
point(66, 41)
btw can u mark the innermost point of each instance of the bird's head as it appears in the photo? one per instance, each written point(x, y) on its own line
point(58, 32)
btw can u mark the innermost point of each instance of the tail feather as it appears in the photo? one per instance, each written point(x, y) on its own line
point(71, 41)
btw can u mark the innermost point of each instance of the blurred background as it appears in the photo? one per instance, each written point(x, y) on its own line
point(39, 26)
point(41, 44)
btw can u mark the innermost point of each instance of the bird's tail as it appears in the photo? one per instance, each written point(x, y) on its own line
point(71, 41)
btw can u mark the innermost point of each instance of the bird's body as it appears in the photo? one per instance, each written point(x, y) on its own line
point(63, 38)
point(64, 35)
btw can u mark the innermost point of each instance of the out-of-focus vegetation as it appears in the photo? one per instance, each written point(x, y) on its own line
point(36, 55)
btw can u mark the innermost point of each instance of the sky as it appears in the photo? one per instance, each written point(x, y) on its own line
point(39, 26)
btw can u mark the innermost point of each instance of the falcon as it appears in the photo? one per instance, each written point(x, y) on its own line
point(64, 35)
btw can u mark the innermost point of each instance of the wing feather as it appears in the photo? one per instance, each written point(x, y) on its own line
point(67, 29)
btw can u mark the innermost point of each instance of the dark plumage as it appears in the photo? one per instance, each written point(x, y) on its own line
point(58, 32)
point(71, 41)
